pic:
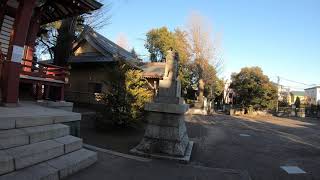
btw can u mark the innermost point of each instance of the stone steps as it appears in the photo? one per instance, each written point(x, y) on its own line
point(23, 136)
point(55, 169)
point(27, 155)
point(13, 122)
point(35, 145)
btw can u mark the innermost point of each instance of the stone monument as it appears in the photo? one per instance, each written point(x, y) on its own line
point(166, 134)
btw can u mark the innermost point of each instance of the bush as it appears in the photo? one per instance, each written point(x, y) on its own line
point(125, 98)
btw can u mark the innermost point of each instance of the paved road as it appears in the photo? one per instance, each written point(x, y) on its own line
point(272, 142)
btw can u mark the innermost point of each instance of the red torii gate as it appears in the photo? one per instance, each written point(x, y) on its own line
point(17, 61)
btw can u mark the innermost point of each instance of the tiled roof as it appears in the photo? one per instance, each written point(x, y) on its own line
point(57, 10)
point(153, 70)
point(109, 51)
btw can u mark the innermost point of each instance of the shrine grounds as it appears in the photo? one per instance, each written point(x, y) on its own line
point(226, 147)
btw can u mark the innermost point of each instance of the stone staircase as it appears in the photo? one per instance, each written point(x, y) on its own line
point(40, 149)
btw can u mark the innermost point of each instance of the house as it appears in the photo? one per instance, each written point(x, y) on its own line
point(35, 141)
point(283, 92)
point(153, 72)
point(94, 59)
point(294, 95)
point(313, 95)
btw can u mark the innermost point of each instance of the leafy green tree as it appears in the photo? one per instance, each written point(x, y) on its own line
point(297, 103)
point(158, 42)
point(253, 88)
point(125, 96)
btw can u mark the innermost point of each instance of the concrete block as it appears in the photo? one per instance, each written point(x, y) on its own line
point(66, 108)
point(63, 105)
point(31, 154)
point(70, 143)
point(169, 100)
point(165, 133)
point(7, 123)
point(12, 138)
point(184, 159)
point(167, 108)
point(67, 117)
point(37, 172)
point(169, 88)
point(33, 121)
point(73, 162)
point(164, 119)
point(6, 163)
point(41, 133)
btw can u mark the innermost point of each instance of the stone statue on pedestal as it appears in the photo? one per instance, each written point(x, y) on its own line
point(166, 134)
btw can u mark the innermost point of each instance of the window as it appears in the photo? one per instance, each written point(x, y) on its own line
point(95, 87)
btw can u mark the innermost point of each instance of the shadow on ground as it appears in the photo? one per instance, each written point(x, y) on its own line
point(269, 143)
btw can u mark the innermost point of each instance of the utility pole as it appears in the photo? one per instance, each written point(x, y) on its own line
point(278, 82)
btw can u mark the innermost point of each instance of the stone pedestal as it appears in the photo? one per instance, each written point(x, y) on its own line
point(166, 134)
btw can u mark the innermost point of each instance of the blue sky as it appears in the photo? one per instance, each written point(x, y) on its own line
point(282, 37)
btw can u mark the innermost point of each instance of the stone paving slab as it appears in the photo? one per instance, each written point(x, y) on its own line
point(12, 138)
point(30, 114)
point(28, 155)
point(73, 162)
point(70, 143)
point(6, 162)
point(41, 133)
point(38, 172)
point(120, 168)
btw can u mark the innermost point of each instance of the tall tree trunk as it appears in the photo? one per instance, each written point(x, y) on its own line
point(66, 36)
point(201, 92)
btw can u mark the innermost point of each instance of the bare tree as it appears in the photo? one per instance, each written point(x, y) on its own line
point(203, 49)
point(56, 38)
point(122, 41)
point(98, 18)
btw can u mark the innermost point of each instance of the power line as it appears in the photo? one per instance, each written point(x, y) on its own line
point(297, 82)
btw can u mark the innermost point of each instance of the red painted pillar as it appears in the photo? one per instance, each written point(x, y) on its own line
point(31, 38)
point(16, 50)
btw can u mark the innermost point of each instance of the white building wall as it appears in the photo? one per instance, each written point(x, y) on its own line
point(313, 95)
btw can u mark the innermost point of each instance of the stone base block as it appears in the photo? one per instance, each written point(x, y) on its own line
point(183, 159)
point(165, 119)
point(169, 88)
point(38, 172)
point(70, 143)
point(73, 162)
point(41, 133)
point(167, 108)
point(12, 138)
point(63, 105)
point(169, 100)
point(161, 146)
point(6, 163)
point(31, 154)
